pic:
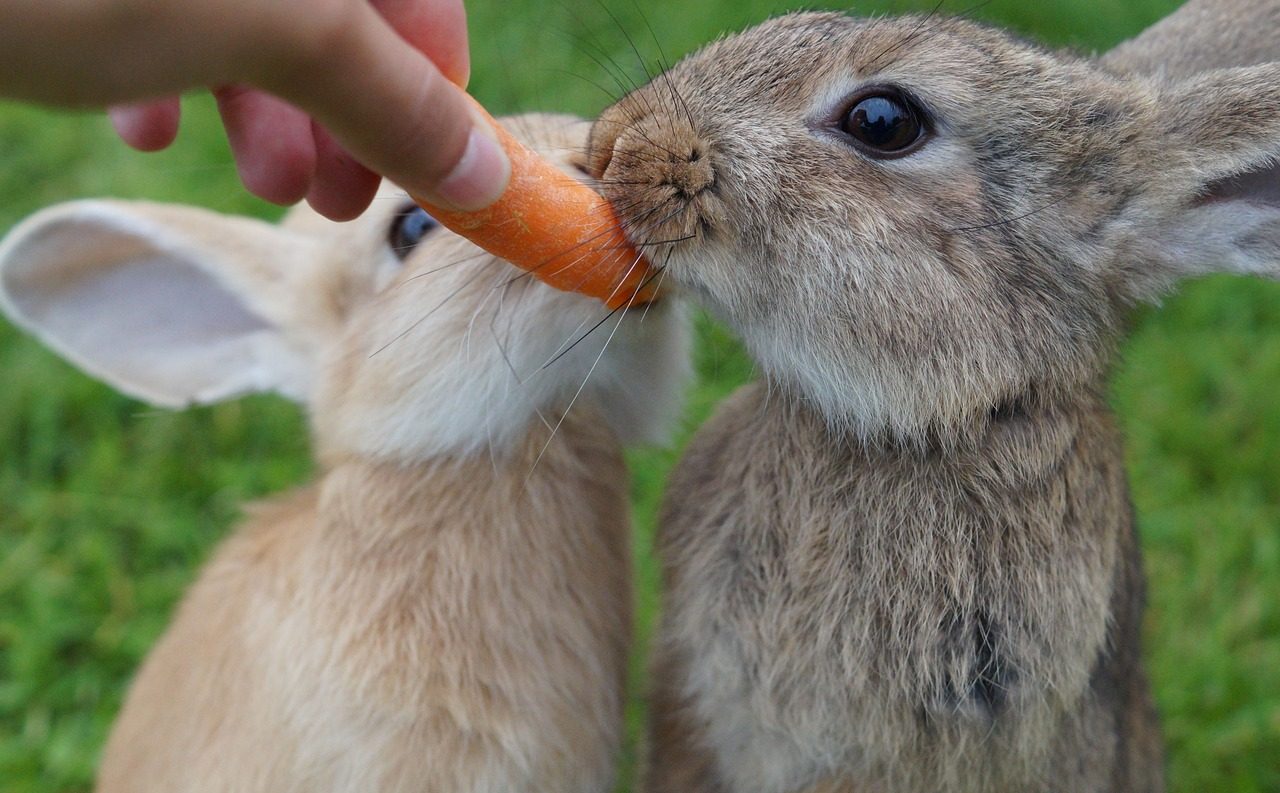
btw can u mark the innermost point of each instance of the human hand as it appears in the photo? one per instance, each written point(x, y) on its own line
point(299, 83)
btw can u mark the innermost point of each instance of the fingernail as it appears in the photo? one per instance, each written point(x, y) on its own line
point(480, 176)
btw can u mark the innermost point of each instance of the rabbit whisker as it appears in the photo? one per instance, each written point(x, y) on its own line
point(471, 323)
point(662, 275)
point(911, 36)
point(665, 65)
point(498, 340)
point(1016, 218)
point(593, 83)
point(560, 353)
point(618, 70)
point(425, 317)
point(443, 267)
point(631, 42)
point(625, 84)
point(606, 227)
point(672, 241)
point(603, 348)
point(622, 279)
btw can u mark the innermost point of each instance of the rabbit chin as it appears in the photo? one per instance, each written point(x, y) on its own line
point(806, 356)
point(875, 400)
point(478, 384)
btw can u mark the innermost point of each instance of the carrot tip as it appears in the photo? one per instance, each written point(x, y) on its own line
point(559, 230)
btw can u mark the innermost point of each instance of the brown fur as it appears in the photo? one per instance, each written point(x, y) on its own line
point(977, 609)
point(375, 641)
point(1204, 35)
point(905, 561)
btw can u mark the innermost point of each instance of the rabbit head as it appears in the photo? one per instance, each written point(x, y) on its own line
point(402, 339)
point(918, 223)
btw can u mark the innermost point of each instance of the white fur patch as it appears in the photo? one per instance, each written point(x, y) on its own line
point(465, 359)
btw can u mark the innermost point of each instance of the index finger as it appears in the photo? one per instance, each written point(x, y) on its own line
point(394, 110)
point(437, 29)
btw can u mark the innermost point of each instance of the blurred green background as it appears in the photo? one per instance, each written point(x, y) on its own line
point(107, 507)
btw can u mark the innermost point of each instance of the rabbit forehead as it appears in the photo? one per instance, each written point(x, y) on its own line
point(770, 87)
point(786, 61)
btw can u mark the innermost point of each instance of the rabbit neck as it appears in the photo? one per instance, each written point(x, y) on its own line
point(402, 594)
point(574, 478)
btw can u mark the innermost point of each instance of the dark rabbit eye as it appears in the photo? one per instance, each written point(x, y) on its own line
point(884, 123)
point(411, 224)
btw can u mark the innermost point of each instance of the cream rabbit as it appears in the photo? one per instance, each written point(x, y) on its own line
point(448, 607)
point(905, 561)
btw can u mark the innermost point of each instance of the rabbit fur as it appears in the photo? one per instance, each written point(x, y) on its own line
point(905, 559)
point(448, 606)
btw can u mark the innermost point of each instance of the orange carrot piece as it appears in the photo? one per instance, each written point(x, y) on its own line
point(558, 229)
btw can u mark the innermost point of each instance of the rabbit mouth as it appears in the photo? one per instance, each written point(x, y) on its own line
point(660, 176)
point(662, 204)
point(668, 225)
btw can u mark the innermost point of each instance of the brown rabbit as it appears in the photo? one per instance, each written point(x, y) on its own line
point(905, 560)
point(447, 607)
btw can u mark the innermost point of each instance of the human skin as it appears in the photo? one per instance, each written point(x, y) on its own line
point(317, 96)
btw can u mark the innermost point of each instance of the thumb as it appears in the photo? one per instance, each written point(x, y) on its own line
point(396, 113)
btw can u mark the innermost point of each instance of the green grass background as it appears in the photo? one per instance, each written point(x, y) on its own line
point(107, 507)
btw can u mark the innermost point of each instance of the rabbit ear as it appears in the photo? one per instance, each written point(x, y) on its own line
point(1223, 128)
point(172, 305)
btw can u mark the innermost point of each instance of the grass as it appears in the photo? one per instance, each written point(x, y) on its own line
point(107, 507)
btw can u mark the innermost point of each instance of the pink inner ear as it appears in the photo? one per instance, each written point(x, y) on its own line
point(1260, 187)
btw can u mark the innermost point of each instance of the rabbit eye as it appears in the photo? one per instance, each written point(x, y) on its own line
point(408, 228)
point(884, 123)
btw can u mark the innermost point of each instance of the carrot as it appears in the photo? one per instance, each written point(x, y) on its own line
point(558, 229)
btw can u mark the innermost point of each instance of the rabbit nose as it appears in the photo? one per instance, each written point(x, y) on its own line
point(693, 173)
point(649, 158)
point(656, 170)
point(649, 148)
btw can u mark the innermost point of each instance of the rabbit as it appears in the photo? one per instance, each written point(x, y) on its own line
point(904, 559)
point(447, 608)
